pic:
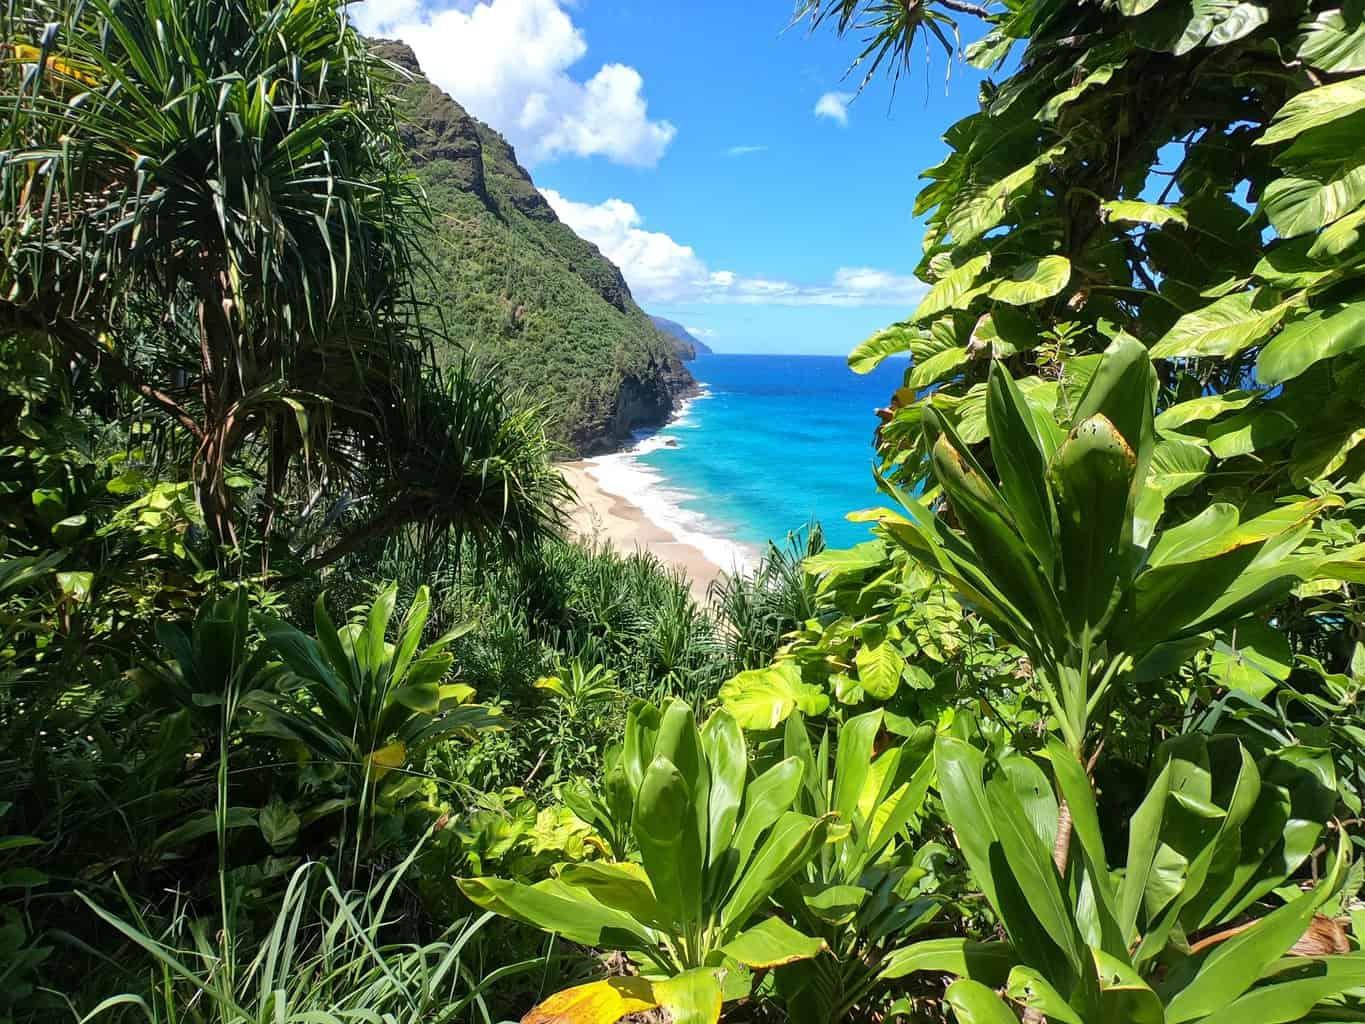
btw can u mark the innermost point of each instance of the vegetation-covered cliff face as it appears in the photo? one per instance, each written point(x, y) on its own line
point(515, 285)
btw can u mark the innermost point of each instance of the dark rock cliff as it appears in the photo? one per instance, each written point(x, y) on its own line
point(514, 285)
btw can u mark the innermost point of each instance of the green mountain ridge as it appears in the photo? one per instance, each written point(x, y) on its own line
point(690, 346)
point(512, 284)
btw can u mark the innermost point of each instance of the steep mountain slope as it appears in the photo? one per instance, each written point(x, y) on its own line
point(689, 345)
point(515, 285)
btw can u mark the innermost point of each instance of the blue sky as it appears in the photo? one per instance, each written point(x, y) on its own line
point(713, 155)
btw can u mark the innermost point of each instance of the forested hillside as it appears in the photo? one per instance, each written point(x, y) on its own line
point(515, 285)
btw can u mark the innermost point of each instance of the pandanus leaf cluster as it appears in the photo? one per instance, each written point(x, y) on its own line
point(714, 847)
point(1064, 551)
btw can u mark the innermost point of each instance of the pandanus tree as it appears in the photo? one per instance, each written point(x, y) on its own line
point(208, 202)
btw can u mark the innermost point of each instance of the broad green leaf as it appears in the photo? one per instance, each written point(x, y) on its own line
point(1206, 407)
point(978, 210)
point(75, 586)
point(672, 851)
point(1315, 107)
point(974, 1003)
point(1222, 328)
point(772, 943)
point(279, 825)
point(1234, 965)
point(788, 846)
point(1035, 880)
point(879, 669)
point(1341, 237)
point(729, 760)
point(1250, 431)
point(624, 887)
point(1297, 206)
point(1122, 388)
point(841, 562)
point(1132, 8)
point(1144, 837)
point(1092, 476)
point(868, 355)
point(937, 366)
point(1033, 281)
point(1321, 334)
point(1132, 211)
point(853, 763)
point(1029, 988)
point(766, 799)
point(763, 698)
point(1329, 43)
point(599, 1002)
point(553, 906)
point(693, 997)
point(948, 291)
point(986, 962)
point(1177, 465)
point(1058, 103)
point(1124, 996)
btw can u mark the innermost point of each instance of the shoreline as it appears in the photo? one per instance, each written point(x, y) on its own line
point(629, 507)
point(601, 517)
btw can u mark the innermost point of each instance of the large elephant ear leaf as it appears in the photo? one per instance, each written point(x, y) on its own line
point(1092, 476)
point(1018, 454)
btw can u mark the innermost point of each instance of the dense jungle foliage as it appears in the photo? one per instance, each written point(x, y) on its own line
point(309, 713)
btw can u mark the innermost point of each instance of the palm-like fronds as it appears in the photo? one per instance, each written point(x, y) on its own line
point(462, 456)
point(890, 28)
point(228, 167)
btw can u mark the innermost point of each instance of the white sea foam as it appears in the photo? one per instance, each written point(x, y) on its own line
point(625, 476)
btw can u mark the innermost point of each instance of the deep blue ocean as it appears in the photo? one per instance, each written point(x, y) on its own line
point(773, 443)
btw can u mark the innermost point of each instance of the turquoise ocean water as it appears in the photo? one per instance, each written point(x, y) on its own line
point(772, 443)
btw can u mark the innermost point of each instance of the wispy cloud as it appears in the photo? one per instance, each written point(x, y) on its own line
point(700, 332)
point(745, 150)
point(661, 270)
point(834, 105)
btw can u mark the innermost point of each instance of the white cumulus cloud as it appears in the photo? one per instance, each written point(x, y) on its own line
point(834, 105)
point(511, 63)
point(661, 270)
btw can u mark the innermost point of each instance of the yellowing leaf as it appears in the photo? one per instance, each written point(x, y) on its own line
point(384, 760)
point(599, 1002)
point(1131, 211)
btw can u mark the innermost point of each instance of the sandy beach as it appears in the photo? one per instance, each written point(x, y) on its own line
point(605, 518)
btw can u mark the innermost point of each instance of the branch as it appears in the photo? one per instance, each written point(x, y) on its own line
point(79, 342)
point(962, 7)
